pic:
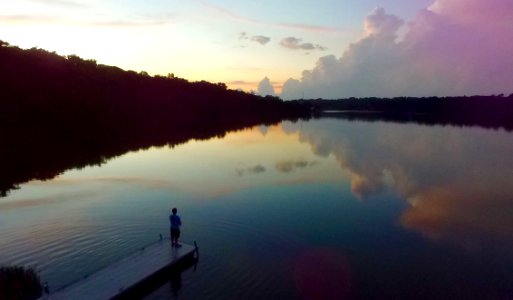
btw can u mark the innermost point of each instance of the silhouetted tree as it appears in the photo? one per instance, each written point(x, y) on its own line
point(18, 283)
point(66, 112)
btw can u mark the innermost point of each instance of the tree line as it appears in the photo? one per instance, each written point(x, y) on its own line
point(60, 112)
point(493, 111)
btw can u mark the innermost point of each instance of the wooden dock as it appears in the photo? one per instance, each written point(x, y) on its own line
point(119, 279)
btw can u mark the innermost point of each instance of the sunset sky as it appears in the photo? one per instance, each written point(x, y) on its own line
point(324, 48)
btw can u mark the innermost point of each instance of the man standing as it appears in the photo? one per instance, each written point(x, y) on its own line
point(175, 221)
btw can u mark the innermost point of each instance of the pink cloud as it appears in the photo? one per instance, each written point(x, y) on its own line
point(454, 47)
point(12, 19)
point(380, 23)
point(474, 11)
point(65, 3)
point(294, 43)
point(47, 19)
point(294, 26)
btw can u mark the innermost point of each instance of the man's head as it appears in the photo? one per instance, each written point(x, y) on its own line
point(174, 210)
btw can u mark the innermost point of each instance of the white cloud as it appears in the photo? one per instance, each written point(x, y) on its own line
point(262, 40)
point(456, 47)
point(294, 43)
point(265, 88)
point(66, 3)
point(379, 23)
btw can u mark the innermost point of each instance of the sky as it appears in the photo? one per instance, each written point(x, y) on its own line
point(295, 49)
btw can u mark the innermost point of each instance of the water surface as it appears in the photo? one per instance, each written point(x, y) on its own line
point(324, 209)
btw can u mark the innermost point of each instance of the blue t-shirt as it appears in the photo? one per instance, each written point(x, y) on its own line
point(175, 221)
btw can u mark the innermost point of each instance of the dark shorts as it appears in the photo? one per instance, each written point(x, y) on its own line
point(175, 233)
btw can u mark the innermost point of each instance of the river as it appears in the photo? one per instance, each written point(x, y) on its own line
point(321, 209)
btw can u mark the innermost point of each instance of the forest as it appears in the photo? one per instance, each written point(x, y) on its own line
point(61, 112)
point(494, 111)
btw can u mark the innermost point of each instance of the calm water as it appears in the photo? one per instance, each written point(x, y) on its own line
point(325, 209)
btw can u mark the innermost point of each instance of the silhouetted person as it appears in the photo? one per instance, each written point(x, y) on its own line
point(175, 223)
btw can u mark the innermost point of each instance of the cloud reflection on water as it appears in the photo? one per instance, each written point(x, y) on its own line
point(251, 170)
point(458, 181)
point(290, 166)
point(46, 200)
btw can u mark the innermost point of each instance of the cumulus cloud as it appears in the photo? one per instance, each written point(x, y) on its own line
point(294, 43)
point(262, 40)
point(379, 23)
point(292, 89)
point(454, 47)
point(265, 88)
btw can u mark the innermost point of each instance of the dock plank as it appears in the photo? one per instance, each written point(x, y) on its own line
point(112, 280)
